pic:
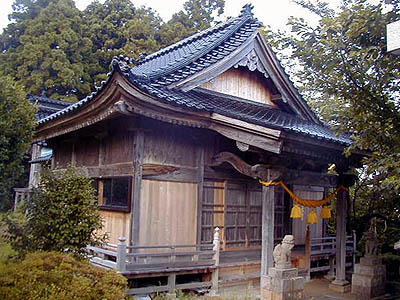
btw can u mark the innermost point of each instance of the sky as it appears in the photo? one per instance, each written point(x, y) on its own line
point(271, 12)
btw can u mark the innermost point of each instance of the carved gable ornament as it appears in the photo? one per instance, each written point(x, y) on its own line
point(252, 62)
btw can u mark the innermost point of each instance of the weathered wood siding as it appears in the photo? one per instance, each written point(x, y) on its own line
point(299, 225)
point(87, 152)
point(170, 145)
point(63, 154)
point(118, 147)
point(116, 224)
point(241, 83)
point(168, 213)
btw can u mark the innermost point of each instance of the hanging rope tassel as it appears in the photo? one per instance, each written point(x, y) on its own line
point(296, 212)
point(312, 217)
point(326, 212)
point(304, 202)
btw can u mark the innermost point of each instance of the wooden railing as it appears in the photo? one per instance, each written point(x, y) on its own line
point(164, 258)
point(21, 195)
point(325, 247)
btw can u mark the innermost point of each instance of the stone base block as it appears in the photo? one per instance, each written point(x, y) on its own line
point(370, 261)
point(368, 281)
point(271, 295)
point(341, 288)
point(282, 284)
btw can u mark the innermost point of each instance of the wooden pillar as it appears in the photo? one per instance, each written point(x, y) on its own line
point(268, 203)
point(34, 168)
point(308, 253)
point(340, 283)
point(200, 188)
point(137, 184)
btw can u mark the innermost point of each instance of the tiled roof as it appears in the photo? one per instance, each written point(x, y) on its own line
point(241, 109)
point(47, 106)
point(155, 72)
point(198, 51)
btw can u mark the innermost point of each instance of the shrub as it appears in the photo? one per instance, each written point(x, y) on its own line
point(17, 126)
point(62, 215)
point(52, 275)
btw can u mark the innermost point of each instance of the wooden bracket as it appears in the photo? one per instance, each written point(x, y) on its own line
point(257, 171)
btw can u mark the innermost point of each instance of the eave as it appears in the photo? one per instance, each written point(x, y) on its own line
point(121, 97)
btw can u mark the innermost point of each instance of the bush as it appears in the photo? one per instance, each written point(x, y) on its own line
point(51, 275)
point(17, 126)
point(62, 215)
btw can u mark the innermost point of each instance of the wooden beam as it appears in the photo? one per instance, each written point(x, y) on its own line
point(240, 165)
point(261, 171)
point(342, 198)
point(181, 174)
point(156, 169)
point(200, 189)
point(268, 221)
point(137, 184)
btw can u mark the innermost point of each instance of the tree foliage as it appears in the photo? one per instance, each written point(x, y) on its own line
point(17, 123)
point(196, 15)
point(52, 275)
point(62, 215)
point(53, 47)
point(342, 67)
point(118, 27)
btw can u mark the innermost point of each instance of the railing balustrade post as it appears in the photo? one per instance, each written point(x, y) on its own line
point(354, 248)
point(121, 254)
point(215, 274)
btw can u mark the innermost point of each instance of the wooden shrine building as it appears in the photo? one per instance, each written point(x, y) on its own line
point(177, 145)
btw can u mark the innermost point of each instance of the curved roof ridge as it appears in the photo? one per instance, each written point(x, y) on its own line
point(180, 43)
point(246, 11)
point(175, 57)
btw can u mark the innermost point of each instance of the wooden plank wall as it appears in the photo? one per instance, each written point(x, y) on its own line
point(241, 83)
point(116, 224)
point(299, 225)
point(170, 145)
point(168, 213)
point(106, 155)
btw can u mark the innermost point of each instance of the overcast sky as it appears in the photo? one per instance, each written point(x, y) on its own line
point(270, 12)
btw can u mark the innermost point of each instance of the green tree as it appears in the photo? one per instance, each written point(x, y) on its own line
point(51, 51)
point(17, 123)
point(62, 215)
point(342, 67)
point(51, 275)
point(196, 15)
point(118, 27)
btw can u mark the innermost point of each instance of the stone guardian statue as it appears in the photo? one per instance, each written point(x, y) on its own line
point(282, 253)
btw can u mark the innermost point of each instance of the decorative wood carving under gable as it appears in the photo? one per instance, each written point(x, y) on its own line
point(252, 62)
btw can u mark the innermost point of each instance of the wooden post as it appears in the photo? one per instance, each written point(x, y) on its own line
point(137, 185)
point(215, 274)
point(34, 171)
point(340, 283)
point(268, 219)
point(354, 248)
point(172, 285)
point(308, 252)
point(121, 255)
point(16, 200)
point(200, 189)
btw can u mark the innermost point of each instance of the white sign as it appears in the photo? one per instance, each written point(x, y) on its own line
point(393, 37)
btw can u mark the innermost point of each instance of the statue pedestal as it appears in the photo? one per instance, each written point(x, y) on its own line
point(282, 284)
point(369, 277)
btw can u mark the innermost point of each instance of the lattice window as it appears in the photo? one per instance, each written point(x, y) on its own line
point(236, 208)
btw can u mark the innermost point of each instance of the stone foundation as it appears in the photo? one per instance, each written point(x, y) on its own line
point(282, 284)
point(368, 280)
